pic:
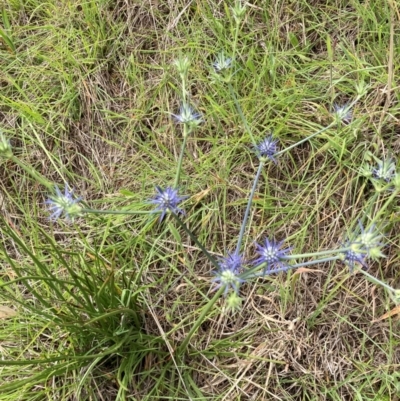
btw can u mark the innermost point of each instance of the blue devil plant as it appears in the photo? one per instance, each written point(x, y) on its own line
point(272, 256)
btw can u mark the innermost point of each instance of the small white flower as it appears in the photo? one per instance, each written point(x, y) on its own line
point(222, 62)
point(188, 116)
point(343, 113)
point(64, 203)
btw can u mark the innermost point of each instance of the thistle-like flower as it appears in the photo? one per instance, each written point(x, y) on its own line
point(188, 116)
point(366, 244)
point(5, 148)
point(182, 64)
point(370, 242)
point(64, 203)
point(386, 170)
point(272, 254)
point(233, 261)
point(233, 303)
point(369, 238)
point(343, 113)
point(222, 62)
point(228, 275)
point(167, 200)
point(352, 256)
point(238, 11)
point(267, 148)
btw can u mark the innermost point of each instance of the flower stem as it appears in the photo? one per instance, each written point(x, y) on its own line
point(253, 272)
point(382, 209)
point(246, 215)
point(321, 253)
point(377, 281)
point(200, 319)
point(33, 173)
point(348, 108)
point(196, 241)
point(183, 78)
point(239, 110)
point(305, 139)
point(179, 168)
point(235, 40)
point(127, 212)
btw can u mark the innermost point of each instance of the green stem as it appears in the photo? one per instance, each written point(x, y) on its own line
point(179, 168)
point(196, 241)
point(240, 112)
point(377, 281)
point(246, 215)
point(33, 173)
point(382, 209)
point(254, 271)
point(314, 262)
point(127, 212)
point(348, 108)
point(321, 253)
point(372, 202)
point(200, 319)
point(235, 41)
point(183, 78)
point(305, 139)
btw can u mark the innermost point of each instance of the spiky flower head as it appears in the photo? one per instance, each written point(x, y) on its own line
point(233, 302)
point(228, 275)
point(367, 244)
point(5, 147)
point(238, 11)
point(64, 203)
point(233, 261)
point(188, 116)
point(267, 148)
point(386, 170)
point(222, 62)
point(167, 200)
point(272, 255)
point(369, 238)
point(396, 296)
point(182, 65)
point(343, 113)
point(361, 88)
point(351, 257)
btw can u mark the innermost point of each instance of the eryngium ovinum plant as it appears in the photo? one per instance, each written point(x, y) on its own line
point(232, 270)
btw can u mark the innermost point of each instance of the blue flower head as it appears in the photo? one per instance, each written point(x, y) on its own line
point(351, 257)
point(343, 113)
point(64, 203)
point(167, 200)
point(272, 254)
point(222, 62)
point(188, 116)
point(386, 170)
point(267, 148)
point(228, 275)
